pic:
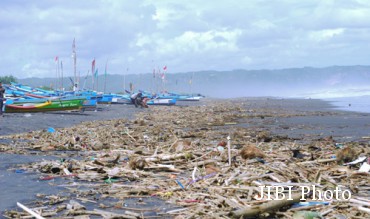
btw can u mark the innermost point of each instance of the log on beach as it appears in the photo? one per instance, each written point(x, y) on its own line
point(270, 206)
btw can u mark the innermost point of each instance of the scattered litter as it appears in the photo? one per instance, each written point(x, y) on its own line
point(51, 130)
point(220, 149)
point(358, 160)
point(365, 167)
point(185, 164)
point(19, 171)
point(306, 215)
point(312, 203)
point(346, 155)
point(250, 151)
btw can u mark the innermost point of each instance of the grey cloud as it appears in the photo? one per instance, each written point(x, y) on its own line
point(273, 34)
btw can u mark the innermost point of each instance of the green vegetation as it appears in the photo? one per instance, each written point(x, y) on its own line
point(8, 79)
point(46, 87)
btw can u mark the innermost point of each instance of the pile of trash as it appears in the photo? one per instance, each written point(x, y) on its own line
point(200, 161)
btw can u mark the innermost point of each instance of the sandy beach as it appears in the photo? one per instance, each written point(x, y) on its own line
point(283, 121)
point(306, 117)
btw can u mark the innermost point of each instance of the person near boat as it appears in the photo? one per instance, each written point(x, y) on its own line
point(139, 100)
point(2, 91)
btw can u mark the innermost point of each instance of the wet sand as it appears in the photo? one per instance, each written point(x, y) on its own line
point(20, 186)
point(307, 118)
point(24, 186)
point(13, 123)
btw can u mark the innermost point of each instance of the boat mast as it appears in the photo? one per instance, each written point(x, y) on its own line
point(74, 56)
point(105, 76)
point(158, 89)
point(61, 68)
point(191, 85)
point(56, 73)
point(97, 82)
point(163, 76)
point(83, 87)
point(124, 80)
point(153, 78)
point(93, 73)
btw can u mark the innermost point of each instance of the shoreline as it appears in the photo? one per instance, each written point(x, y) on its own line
point(288, 117)
point(16, 123)
point(303, 118)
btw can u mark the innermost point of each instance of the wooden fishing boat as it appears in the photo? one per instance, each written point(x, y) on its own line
point(180, 97)
point(50, 105)
point(114, 99)
point(89, 102)
point(189, 98)
point(163, 102)
point(28, 106)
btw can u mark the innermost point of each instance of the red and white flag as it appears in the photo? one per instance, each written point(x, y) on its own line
point(165, 68)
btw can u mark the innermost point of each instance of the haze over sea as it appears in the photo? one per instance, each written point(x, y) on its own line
point(357, 100)
point(357, 104)
point(343, 85)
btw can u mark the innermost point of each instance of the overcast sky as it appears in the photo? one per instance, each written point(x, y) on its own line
point(185, 36)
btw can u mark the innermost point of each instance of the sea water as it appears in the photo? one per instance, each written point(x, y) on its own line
point(18, 185)
point(356, 104)
point(356, 99)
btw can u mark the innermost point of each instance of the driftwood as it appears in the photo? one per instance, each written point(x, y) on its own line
point(185, 164)
point(270, 206)
point(106, 214)
point(164, 157)
point(31, 212)
point(202, 163)
point(124, 214)
point(367, 210)
point(319, 161)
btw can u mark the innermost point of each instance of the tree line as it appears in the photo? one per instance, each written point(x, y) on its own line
point(8, 79)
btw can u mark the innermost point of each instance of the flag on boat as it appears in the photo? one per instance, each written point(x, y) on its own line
point(56, 58)
point(165, 68)
point(162, 76)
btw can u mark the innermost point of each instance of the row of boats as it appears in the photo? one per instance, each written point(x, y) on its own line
point(22, 98)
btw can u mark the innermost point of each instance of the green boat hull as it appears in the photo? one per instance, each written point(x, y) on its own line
point(56, 105)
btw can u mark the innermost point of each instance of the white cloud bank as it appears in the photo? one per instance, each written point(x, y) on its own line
point(184, 35)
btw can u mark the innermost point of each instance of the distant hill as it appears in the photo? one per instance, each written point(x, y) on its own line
point(293, 82)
